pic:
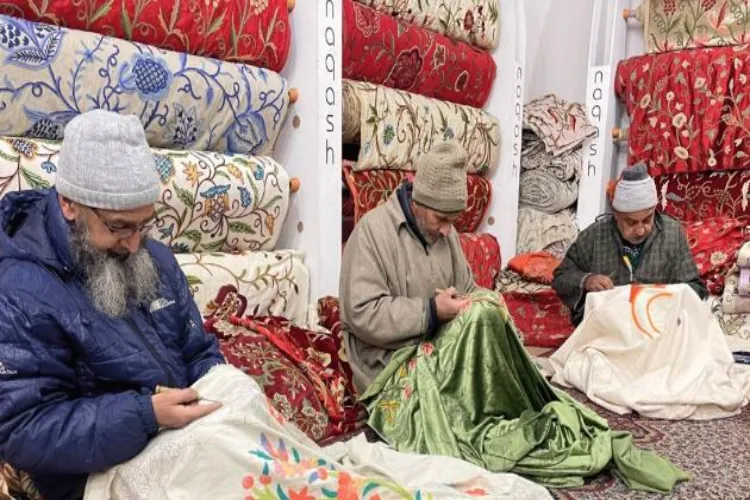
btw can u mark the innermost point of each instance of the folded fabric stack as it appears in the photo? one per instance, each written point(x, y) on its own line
point(538, 313)
point(418, 74)
point(689, 122)
point(554, 132)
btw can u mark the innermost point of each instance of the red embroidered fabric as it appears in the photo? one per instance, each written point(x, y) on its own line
point(482, 252)
point(689, 110)
point(703, 195)
point(371, 188)
point(542, 319)
point(714, 244)
point(382, 50)
point(252, 32)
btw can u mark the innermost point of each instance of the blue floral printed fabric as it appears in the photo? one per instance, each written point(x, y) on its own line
point(51, 74)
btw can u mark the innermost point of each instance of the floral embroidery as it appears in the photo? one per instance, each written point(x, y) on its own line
point(183, 101)
point(472, 21)
point(251, 32)
point(196, 211)
point(396, 127)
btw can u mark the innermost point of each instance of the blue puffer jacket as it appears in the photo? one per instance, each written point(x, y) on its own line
point(75, 385)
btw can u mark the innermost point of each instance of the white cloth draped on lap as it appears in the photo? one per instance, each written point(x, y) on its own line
point(246, 450)
point(658, 351)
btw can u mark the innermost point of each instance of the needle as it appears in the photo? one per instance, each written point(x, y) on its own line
point(161, 389)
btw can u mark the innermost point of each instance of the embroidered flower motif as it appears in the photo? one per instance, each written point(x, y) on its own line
point(700, 83)
point(322, 358)
point(301, 495)
point(645, 101)
point(366, 20)
point(388, 135)
point(427, 349)
point(408, 391)
point(347, 489)
point(45, 129)
point(469, 20)
point(192, 173)
point(24, 147)
point(184, 126)
point(248, 482)
point(711, 160)
point(164, 167)
point(476, 492)
point(718, 258)
point(681, 153)
point(12, 37)
point(669, 7)
point(670, 96)
point(438, 57)
point(405, 70)
point(245, 197)
point(152, 77)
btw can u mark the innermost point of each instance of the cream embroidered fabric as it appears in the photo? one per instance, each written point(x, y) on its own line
point(246, 450)
point(561, 125)
point(473, 21)
point(688, 24)
point(542, 191)
point(540, 231)
point(209, 201)
point(731, 301)
point(274, 283)
point(657, 351)
point(396, 127)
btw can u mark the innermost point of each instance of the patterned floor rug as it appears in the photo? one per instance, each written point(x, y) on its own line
point(716, 453)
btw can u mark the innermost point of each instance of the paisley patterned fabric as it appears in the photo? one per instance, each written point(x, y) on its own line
point(537, 267)
point(371, 188)
point(541, 317)
point(731, 300)
point(688, 24)
point(734, 325)
point(703, 195)
point(542, 191)
point(482, 252)
point(382, 50)
point(52, 74)
point(253, 32)
point(540, 231)
point(274, 283)
point(715, 244)
point(394, 128)
point(209, 201)
point(473, 21)
point(689, 110)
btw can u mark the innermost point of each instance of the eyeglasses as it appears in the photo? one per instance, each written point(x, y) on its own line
point(125, 231)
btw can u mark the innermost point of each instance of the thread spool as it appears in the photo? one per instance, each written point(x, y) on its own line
point(293, 95)
point(294, 184)
point(290, 4)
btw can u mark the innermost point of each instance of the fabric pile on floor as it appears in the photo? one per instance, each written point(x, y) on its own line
point(554, 132)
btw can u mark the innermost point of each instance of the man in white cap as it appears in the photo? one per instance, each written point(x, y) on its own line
point(635, 244)
point(94, 315)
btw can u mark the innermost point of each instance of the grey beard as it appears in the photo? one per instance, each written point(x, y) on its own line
point(111, 282)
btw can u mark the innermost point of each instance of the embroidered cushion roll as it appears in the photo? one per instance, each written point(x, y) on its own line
point(371, 188)
point(51, 74)
point(394, 128)
point(274, 283)
point(209, 201)
point(254, 32)
point(688, 109)
point(688, 24)
point(382, 50)
point(473, 21)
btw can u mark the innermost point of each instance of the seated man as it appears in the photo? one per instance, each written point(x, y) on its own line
point(93, 314)
point(635, 244)
point(438, 361)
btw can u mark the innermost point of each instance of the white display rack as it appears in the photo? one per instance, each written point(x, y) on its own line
point(310, 146)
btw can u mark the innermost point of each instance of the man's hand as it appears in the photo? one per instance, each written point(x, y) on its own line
point(176, 408)
point(598, 283)
point(449, 304)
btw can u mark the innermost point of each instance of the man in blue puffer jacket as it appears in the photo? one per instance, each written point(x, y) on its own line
point(93, 314)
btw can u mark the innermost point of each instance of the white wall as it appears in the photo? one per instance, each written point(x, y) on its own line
point(557, 47)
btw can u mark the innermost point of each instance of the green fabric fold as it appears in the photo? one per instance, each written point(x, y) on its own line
point(473, 393)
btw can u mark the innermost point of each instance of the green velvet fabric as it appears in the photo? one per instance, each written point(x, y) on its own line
point(473, 393)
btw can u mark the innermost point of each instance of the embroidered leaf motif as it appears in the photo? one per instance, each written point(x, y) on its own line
point(34, 180)
point(29, 57)
point(125, 21)
point(241, 227)
point(184, 195)
point(193, 235)
point(329, 494)
point(193, 280)
point(100, 12)
point(217, 23)
point(216, 246)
